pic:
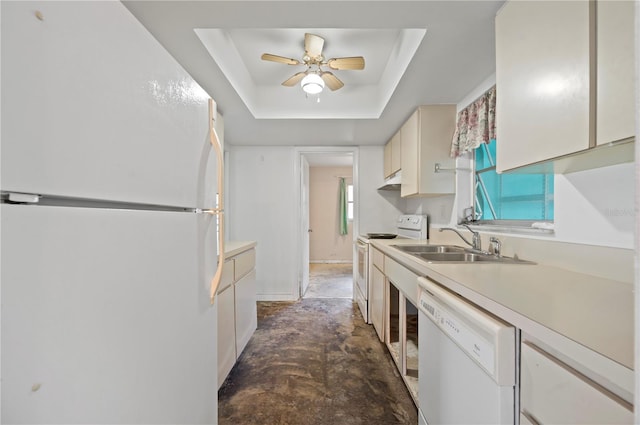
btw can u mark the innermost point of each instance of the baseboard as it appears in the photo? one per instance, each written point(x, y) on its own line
point(331, 261)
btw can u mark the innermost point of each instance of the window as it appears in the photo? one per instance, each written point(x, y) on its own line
point(521, 197)
point(350, 202)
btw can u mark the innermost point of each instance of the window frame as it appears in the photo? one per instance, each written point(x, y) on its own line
point(350, 202)
point(517, 225)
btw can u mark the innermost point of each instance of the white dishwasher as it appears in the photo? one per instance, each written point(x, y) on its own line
point(467, 361)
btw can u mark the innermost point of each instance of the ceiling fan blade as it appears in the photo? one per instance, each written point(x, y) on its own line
point(295, 79)
point(313, 45)
point(331, 81)
point(279, 59)
point(356, 62)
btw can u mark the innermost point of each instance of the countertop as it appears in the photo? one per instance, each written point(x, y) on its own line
point(232, 248)
point(595, 312)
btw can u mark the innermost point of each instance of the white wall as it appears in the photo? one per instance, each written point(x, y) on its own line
point(326, 244)
point(262, 206)
point(262, 198)
point(596, 207)
point(378, 209)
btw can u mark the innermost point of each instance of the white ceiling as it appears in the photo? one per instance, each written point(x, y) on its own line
point(387, 54)
point(220, 42)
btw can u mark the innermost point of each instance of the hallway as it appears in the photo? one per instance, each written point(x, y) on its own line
point(314, 362)
point(330, 280)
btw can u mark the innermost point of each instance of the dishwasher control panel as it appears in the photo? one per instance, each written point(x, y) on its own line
point(473, 344)
point(483, 337)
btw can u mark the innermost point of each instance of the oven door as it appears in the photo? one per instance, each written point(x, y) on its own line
point(362, 281)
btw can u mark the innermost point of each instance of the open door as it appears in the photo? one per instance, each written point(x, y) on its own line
point(307, 158)
point(305, 224)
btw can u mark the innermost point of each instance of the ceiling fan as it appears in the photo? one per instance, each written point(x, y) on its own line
point(314, 79)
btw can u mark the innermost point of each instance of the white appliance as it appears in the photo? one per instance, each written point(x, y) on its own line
point(362, 278)
point(467, 361)
point(413, 226)
point(109, 232)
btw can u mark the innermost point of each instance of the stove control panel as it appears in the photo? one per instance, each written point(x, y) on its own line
point(413, 226)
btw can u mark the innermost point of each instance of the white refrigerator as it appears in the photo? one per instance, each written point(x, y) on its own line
point(107, 256)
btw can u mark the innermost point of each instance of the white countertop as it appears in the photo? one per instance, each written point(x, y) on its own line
point(595, 312)
point(232, 248)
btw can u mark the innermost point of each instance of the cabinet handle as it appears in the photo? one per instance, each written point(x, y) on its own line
point(530, 417)
point(219, 211)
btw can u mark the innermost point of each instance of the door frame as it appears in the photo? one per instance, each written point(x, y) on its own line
point(301, 153)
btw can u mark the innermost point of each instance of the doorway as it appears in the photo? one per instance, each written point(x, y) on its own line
point(326, 256)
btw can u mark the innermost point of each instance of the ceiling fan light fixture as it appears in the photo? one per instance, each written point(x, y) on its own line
point(312, 83)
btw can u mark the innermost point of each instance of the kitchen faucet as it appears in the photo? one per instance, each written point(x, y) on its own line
point(475, 237)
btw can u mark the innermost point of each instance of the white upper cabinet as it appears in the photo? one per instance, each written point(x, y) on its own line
point(392, 154)
point(426, 140)
point(615, 72)
point(562, 87)
point(542, 81)
point(387, 159)
point(396, 153)
point(409, 136)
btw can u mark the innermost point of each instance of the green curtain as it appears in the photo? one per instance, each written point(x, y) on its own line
point(343, 207)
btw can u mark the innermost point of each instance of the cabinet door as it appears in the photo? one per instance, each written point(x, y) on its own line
point(226, 333)
point(228, 273)
point(246, 310)
point(377, 302)
point(387, 159)
point(244, 263)
point(410, 141)
point(543, 81)
point(396, 153)
point(378, 259)
point(437, 125)
point(616, 59)
point(554, 393)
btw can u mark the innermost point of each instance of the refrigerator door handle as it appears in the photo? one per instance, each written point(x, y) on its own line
point(219, 211)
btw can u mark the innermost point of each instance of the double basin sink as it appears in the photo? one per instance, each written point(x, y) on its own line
point(455, 254)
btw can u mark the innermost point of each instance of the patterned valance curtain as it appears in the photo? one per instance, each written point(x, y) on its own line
point(476, 124)
point(344, 220)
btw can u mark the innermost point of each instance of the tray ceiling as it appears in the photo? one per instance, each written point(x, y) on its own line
point(387, 54)
point(416, 53)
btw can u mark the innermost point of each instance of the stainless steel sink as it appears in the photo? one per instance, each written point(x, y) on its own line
point(418, 249)
point(455, 254)
point(467, 257)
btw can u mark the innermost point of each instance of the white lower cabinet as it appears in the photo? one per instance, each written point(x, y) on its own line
point(237, 310)
point(552, 392)
point(246, 313)
point(377, 302)
point(401, 322)
point(377, 292)
point(226, 333)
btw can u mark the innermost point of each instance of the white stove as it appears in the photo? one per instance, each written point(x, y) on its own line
point(410, 226)
point(413, 226)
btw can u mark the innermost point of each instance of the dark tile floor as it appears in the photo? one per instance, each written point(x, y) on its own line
point(314, 362)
